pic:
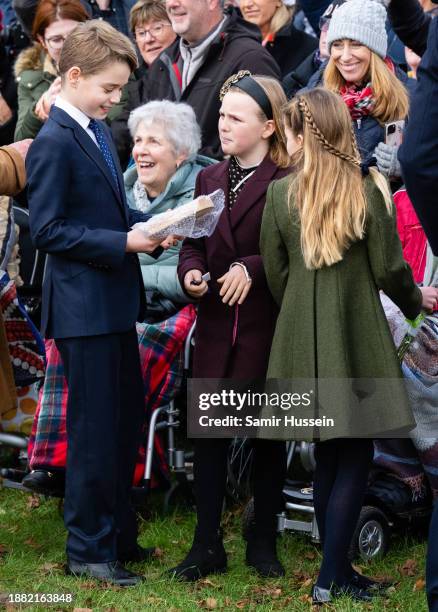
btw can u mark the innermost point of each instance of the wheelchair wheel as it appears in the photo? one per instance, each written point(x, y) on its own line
point(239, 469)
point(371, 537)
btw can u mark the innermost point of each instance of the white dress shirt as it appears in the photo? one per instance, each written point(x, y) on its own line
point(76, 114)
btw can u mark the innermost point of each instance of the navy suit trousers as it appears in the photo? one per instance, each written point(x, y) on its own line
point(105, 413)
point(432, 562)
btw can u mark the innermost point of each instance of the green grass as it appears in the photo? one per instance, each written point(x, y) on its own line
point(32, 557)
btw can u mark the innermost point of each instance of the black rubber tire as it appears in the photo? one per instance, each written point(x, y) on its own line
point(371, 536)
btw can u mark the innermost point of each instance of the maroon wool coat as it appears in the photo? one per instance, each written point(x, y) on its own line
point(232, 342)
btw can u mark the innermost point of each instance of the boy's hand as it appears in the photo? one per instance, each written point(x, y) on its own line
point(137, 242)
point(194, 285)
point(170, 241)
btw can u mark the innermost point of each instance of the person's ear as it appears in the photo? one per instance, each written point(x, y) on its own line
point(73, 75)
point(40, 39)
point(268, 129)
point(300, 139)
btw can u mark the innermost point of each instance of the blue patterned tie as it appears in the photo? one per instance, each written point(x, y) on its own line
point(97, 130)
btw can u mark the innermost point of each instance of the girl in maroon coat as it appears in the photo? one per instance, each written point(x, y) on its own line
point(237, 314)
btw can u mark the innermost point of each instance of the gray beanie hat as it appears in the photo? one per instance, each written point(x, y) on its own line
point(360, 20)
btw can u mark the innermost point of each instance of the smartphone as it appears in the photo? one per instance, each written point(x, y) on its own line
point(205, 277)
point(394, 133)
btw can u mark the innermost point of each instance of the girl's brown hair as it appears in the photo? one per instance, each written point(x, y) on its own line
point(327, 189)
point(277, 98)
point(391, 98)
point(49, 11)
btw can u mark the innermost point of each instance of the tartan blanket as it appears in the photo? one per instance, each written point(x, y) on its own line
point(25, 344)
point(161, 347)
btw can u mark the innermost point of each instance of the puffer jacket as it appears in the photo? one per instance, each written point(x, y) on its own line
point(160, 274)
point(369, 132)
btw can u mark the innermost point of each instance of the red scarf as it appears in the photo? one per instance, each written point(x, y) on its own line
point(361, 101)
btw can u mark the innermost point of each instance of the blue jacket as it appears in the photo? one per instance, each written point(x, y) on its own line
point(160, 274)
point(80, 218)
point(419, 152)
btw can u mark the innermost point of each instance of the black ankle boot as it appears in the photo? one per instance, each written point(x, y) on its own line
point(261, 554)
point(206, 556)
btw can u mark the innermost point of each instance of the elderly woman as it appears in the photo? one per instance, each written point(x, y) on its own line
point(36, 68)
point(153, 32)
point(288, 45)
point(166, 142)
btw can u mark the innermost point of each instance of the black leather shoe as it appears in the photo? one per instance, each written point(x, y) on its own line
point(45, 482)
point(261, 554)
point(364, 582)
point(112, 571)
point(206, 556)
point(321, 596)
point(137, 555)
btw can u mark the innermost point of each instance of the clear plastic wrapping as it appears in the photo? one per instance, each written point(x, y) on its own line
point(192, 220)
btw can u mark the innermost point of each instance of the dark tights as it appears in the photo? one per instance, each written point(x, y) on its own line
point(340, 481)
point(210, 474)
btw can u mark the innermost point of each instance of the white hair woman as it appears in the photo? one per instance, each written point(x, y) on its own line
point(166, 142)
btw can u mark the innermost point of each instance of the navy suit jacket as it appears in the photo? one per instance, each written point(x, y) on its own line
point(418, 154)
point(80, 218)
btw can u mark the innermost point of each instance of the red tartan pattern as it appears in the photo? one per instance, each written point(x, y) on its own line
point(160, 347)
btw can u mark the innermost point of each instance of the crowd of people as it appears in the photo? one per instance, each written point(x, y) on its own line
point(293, 109)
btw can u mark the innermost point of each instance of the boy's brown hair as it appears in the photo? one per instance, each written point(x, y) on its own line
point(93, 45)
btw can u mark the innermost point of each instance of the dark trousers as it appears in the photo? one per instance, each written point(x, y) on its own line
point(210, 474)
point(104, 420)
point(432, 562)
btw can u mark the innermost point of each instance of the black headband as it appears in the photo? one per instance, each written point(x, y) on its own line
point(247, 84)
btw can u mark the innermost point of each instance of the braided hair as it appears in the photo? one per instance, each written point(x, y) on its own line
point(327, 189)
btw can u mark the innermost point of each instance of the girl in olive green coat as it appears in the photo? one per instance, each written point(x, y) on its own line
point(329, 243)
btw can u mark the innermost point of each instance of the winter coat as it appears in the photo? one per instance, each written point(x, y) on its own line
point(369, 131)
point(418, 154)
point(236, 47)
point(331, 323)
point(299, 77)
point(35, 72)
point(411, 235)
point(290, 47)
point(232, 342)
point(12, 171)
point(160, 274)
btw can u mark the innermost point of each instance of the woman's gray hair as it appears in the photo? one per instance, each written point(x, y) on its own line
point(177, 119)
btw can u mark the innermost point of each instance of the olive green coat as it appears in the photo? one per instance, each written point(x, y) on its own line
point(331, 323)
point(34, 73)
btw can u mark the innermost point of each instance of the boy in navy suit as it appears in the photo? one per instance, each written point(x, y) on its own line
point(92, 297)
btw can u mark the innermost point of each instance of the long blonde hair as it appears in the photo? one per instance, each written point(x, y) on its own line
point(282, 16)
point(328, 189)
point(391, 98)
point(277, 98)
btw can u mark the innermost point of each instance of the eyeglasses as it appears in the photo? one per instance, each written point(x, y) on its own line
point(55, 42)
point(155, 31)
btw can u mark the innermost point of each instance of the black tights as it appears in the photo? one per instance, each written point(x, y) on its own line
point(210, 474)
point(340, 480)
